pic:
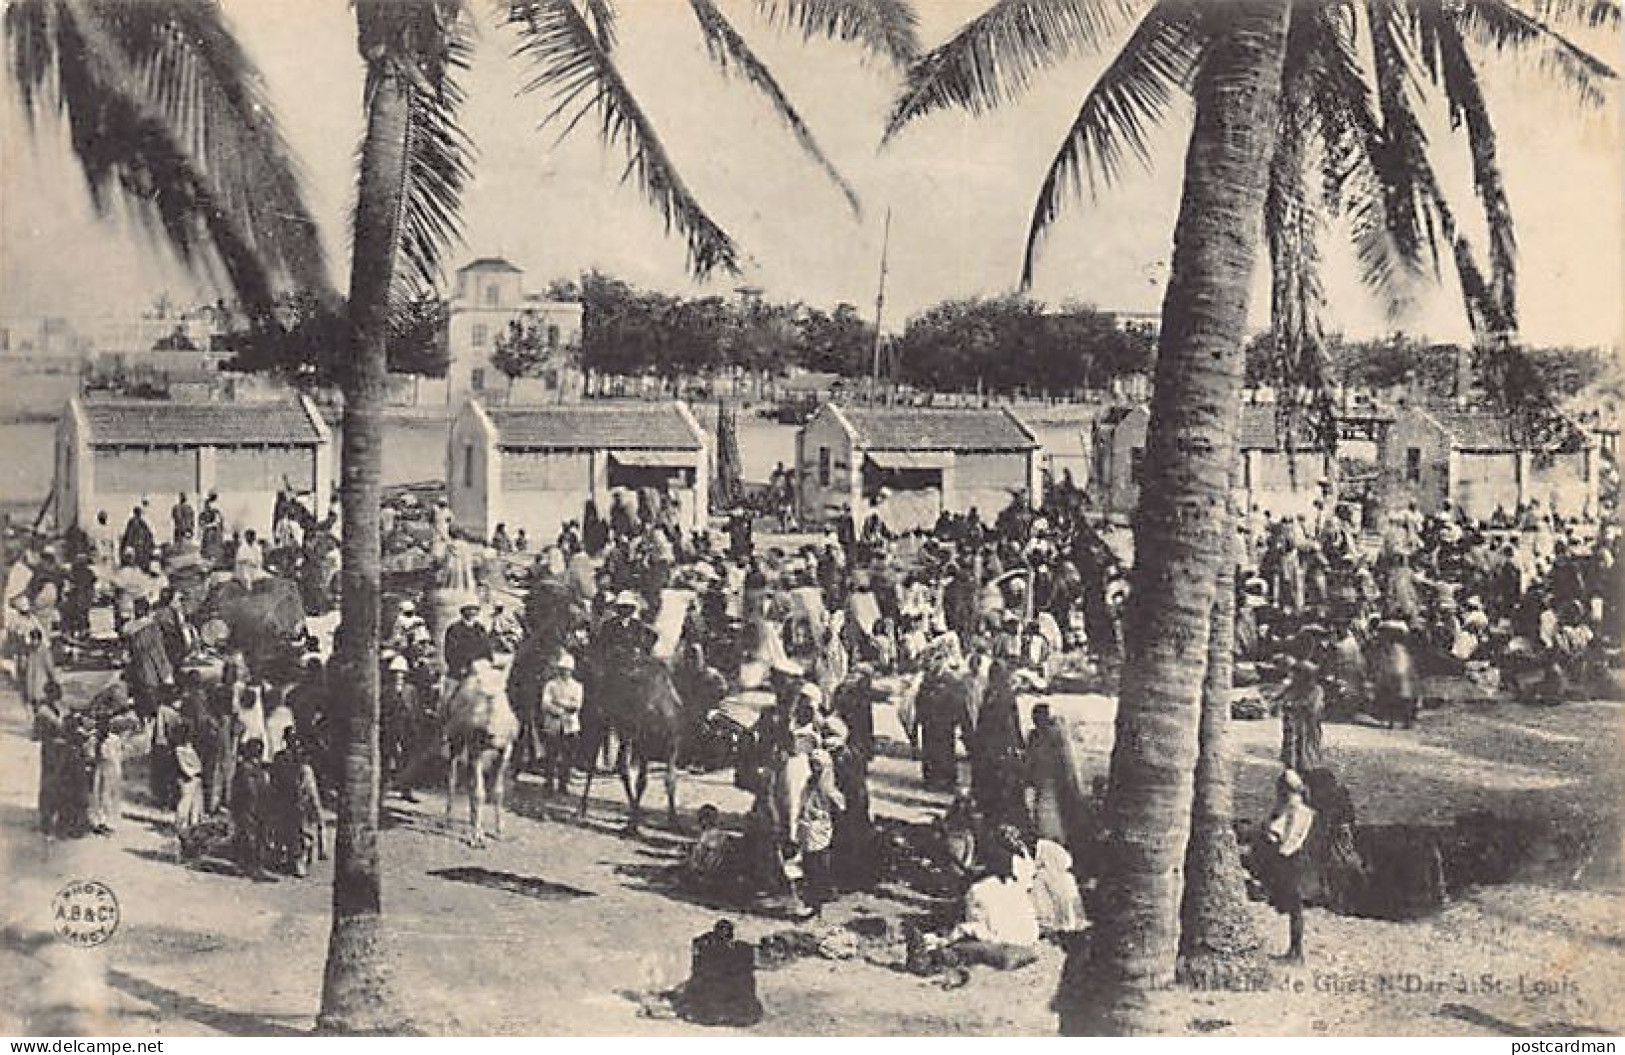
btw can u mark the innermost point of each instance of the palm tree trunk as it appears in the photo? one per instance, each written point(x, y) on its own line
point(356, 995)
point(1180, 531)
point(1213, 918)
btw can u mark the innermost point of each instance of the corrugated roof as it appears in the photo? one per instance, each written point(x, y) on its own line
point(595, 426)
point(490, 263)
point(927, 429)
point(164, 422)
point(1478, 430)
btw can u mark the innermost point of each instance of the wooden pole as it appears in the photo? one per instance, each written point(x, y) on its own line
point(880, 306)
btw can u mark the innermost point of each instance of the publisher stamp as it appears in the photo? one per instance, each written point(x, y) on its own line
point(85, 913)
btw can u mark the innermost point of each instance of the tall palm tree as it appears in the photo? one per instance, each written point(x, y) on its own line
point(166, 114)
point(1181, 530)
point(1375, 166)
point(413, 164)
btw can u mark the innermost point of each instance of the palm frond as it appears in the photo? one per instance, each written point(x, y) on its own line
point(1399, 150)
point(425, 44)
point(1501, 26)
point(1595, 14)
point(573, 67)
point(438, 167)
point(1132, 95)
point(1339, 110)
point(201, 80)
point(30, 27)
point(603, 16)
point(1294, 228)
point(730, 52)
point(167, 116)
point(1468, 107)
point(887, 28)
point(993, 58)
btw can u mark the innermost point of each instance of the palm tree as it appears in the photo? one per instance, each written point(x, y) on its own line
point(165, 111)
point(414, 161)
point(413, 164)
point(1373, 165)
point(166, 116)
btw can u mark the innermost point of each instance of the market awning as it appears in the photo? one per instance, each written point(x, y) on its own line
point(654, 459)
point(909, 459)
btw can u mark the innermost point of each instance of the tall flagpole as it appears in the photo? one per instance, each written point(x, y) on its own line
point(880, 305)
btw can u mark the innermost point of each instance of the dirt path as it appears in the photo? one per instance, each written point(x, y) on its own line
point(565, 926)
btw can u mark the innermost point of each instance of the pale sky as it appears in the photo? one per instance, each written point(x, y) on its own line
point(960, 188)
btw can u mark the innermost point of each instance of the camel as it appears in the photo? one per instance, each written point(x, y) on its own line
point(644, 711)
point(480, 729)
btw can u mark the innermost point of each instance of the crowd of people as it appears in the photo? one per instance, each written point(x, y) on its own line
point(779, 656)
point(234, 737)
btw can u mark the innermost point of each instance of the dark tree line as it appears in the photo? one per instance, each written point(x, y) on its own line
point(1399, 360)
point(1011, 343)
point(1000, 344)
point(305, 341)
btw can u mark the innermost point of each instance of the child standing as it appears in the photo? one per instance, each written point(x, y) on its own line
point(189, 779)
point(297, 814)
point(250, 802)
point(561, 723)
point(107, 778)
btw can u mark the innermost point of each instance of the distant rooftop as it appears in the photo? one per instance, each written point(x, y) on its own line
point(490, 263)
point(154, 422)
point(933, 429)
point(595, 426)
point(1481, 430)
point(1260, 430)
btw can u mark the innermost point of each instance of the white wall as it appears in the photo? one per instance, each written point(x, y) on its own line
point(472, 469)
point(820, 501)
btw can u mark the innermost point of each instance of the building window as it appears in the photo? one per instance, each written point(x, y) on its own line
point(477, 381)
point(1413, 465)
point(1136, 460)
point(479, 334)
point(823, 467)
point(468, 465)
point(552, 336)
point(493, 295)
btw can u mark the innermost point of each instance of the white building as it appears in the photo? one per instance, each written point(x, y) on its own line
point(534, 467)
point(488, 296)
point(112, 455)
point(1476, 460)
point(911, 463)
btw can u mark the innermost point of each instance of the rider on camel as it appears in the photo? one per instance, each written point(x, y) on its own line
point(624, 640)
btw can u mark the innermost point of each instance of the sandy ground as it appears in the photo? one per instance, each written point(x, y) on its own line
point(566, 927)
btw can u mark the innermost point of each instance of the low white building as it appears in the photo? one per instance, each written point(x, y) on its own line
point(1477, 460)
point(1269, 477)
point(911, 463)
point(110, 455)
point(535, 467)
